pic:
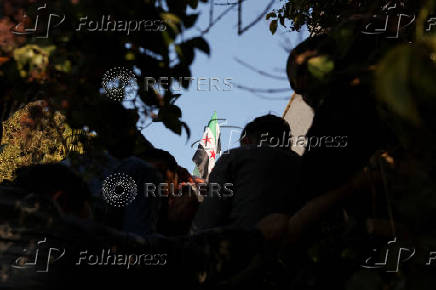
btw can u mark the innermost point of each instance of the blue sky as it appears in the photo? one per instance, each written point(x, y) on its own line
point(257, 47)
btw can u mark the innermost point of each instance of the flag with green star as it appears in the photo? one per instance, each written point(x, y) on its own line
point(208, 149)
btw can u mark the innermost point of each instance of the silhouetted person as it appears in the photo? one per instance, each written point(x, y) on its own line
point(262, 174)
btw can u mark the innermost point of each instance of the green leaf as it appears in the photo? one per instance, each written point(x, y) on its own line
point(200, 43)
point(189, 20)
point(193, 4)
point(172, 21)
point(271, 14)
point(282, 20)
point(320, 66)
point(170, 116)
point(188, 53)
point(182, 71)
point(170, 111)
point(188, 131)
point(65, 67)
point(173, 98)
point(130, 56)
point(167, 38)
point(273, 26)
point(393, 82)
point(170, 17)
point(32, 57)
point(178, 50)
point(2, 147)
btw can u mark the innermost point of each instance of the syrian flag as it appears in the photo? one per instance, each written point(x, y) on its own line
point(208, 149)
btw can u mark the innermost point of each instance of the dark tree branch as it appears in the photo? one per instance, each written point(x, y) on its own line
point(279, 69)
point(211, 13)
point(262, 73)
point(257, 19)
point(214, 21)
point(286, 44)
point(260, 90)
point(260, 96)
point(225, 4)
point(239, 16)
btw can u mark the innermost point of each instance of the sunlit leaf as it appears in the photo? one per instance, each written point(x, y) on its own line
point(200, 43)
point(193, 4)
point(273, 26)
point(393, 82)
point(320, 66)
point(271, 14)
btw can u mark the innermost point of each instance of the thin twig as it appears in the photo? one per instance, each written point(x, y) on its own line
point(260, 90)
point(257, 19)
point(225, 4)
point(214, 21)
point(260, 71)
point(270, 98)
point(239, 16)
point(211, 13)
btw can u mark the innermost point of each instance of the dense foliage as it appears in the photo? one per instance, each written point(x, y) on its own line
point(65, 67)
point(369, 74)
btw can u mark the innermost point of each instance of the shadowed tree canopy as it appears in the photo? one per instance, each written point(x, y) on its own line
point(65, 69)
point(377, 88)
point(368, 65)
